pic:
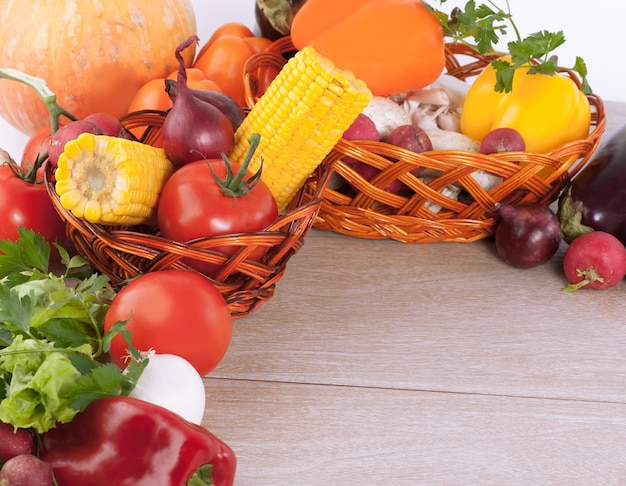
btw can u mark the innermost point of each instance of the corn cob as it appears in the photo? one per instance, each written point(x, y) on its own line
point(300, 118)
point(111, 180)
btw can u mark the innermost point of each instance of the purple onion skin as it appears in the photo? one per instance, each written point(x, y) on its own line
point(194, 129)
point(221, 101)
point(528, 235)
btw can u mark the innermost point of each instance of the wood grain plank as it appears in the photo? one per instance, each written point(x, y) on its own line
point(384, 363)
point(438, 317)
point(292, 434)
point(441, 317)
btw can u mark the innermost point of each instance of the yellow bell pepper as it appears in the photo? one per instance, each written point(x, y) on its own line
point(548, 111)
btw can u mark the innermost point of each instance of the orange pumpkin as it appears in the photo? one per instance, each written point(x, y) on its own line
point(94, 54)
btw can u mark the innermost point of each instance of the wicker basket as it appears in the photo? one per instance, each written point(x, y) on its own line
point(367, 210)
point(123, 252)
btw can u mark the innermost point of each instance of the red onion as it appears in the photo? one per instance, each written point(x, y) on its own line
point(194, 129)
point(528, 235)
point(221, 101)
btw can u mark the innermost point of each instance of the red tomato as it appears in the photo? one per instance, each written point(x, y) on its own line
point(26, 204)
point(192, 205)
point(172, 312)
point(37, 144)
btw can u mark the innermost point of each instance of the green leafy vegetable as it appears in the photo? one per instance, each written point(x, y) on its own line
point(51, 337)
point(485, 25)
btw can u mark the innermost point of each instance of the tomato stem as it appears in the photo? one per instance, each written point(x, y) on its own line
point(234, 185)
point(43, 91)
point(20, 172)
point(254, 141)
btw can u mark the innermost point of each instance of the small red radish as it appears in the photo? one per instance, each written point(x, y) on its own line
point(411, 138)
point(66, 133)
point(502, 140)
point(108, 124)
point(362, 128)
point(26, 470)
point(15, 442)
point(594, 260)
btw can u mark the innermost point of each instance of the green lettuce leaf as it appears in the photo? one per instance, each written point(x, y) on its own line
point(52, 336)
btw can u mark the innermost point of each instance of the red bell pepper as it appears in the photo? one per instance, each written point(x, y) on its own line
point(125, 441)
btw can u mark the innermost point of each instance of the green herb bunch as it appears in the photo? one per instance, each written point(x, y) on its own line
point(483, 26)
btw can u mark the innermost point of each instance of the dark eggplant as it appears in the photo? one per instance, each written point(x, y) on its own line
point(274, 17)
point(595, 199)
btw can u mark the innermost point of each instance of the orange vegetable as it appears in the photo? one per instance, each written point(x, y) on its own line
point(152, 95)
point(392, 45)
point(229, 28)
point(93, 55)
point(223, 57)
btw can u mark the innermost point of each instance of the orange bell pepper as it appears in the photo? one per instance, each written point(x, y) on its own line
point(223, 57)
point(392, 45)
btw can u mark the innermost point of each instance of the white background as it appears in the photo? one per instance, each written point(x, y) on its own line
point(593, 30)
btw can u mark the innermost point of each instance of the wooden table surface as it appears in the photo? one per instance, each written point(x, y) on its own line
point(378, 362)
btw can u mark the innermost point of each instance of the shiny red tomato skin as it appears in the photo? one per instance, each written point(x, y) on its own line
point(37, 145)
point(25, 204)
point(173, 312)
point(192, 205)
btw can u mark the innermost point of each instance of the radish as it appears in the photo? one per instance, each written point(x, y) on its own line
point(411, 138)
point(173, 383)
point(502, 140)
point(595, 260)
point(14, 442)
point(66, 133)
point(362, 128)
point(26, 470)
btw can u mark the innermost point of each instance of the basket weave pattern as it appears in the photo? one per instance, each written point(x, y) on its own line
point(124, 252)
point(367, 210)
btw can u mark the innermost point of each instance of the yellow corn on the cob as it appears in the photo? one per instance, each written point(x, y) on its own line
point(300, 118)
point(111, 180)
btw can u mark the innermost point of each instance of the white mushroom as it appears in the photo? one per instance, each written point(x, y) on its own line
point(435, 106)
point(451, 140)
point(386, 115)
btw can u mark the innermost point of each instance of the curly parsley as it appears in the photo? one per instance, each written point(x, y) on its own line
point(483, 26)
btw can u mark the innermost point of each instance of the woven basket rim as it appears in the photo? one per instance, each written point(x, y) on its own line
point(374, 213)
point(246, 279)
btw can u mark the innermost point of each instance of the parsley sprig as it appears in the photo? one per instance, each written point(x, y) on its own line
point(483, 26)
